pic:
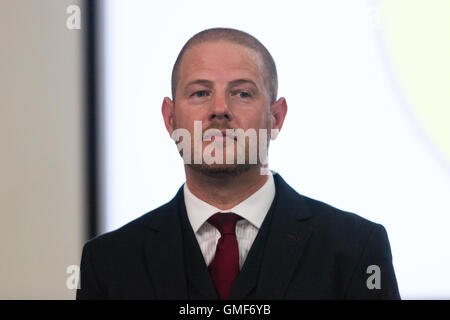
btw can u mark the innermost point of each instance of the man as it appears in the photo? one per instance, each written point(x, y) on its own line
point(234, 230)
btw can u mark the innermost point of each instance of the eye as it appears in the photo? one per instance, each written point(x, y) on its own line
point(243, 94)
point(200, 94)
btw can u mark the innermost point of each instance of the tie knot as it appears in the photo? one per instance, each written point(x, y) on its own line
point(225, 222)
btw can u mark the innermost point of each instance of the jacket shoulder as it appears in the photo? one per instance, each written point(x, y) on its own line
point(339, 230)
point(329, 216)
point(131, 233)
point(321, 215)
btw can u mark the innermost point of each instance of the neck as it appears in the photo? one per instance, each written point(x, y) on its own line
point(224, 192)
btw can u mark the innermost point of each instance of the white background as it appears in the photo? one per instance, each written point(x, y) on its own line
point(348, 140)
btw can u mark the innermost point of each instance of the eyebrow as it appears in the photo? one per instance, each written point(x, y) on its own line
point(203, 82)
point(242, 81)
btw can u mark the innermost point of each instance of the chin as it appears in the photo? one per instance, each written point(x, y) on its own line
point(222, 170)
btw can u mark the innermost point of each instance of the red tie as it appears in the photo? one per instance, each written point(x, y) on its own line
point(225, 266)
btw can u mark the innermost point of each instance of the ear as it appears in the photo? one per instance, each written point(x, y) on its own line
point(278, 113)
point(167, 110)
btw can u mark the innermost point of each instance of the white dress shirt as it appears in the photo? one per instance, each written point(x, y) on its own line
point(253, 210)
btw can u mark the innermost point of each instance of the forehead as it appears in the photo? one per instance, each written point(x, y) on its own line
point(220, 60)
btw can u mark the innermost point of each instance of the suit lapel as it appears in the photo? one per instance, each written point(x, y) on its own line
point(197, 271)
point(164, 253)
point(286, 242)
point(247, 278)
point(287, 237)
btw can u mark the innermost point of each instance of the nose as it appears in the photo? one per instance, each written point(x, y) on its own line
point(219, 108)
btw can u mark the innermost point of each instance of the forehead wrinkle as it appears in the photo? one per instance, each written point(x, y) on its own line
point(199, 66)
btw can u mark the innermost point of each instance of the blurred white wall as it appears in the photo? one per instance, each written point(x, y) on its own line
point(41, 173)
point(366, 82)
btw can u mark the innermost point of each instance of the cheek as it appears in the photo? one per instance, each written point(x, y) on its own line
point(183, 119)
point(189, 114)
point(186, 120)
point(256, 120)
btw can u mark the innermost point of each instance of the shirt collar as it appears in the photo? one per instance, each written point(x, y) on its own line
point(253, 209)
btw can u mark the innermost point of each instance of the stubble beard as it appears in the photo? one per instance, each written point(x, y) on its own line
point(225, 169)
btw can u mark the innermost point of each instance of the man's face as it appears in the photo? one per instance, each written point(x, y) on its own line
point(221, 84)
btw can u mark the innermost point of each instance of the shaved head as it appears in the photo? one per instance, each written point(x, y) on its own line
point(237, 37)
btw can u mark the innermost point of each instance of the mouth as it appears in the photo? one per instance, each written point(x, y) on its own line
point(217, 135)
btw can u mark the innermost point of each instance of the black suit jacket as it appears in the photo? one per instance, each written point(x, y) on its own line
point(312, 251)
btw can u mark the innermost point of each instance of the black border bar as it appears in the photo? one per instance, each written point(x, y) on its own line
point(91, 118)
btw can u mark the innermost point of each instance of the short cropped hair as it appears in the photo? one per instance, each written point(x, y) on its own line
point(233, 36)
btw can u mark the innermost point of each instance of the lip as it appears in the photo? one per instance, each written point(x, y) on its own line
point(211, 136)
